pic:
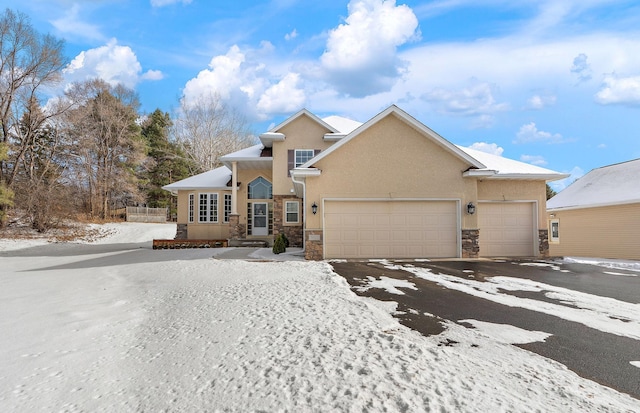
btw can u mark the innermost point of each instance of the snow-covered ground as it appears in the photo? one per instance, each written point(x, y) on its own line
point(105, 328)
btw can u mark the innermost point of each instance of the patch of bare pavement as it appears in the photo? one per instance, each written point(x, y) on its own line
point(596, 355)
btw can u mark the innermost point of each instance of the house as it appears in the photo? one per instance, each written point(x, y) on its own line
point(390, 187)
point(598, 215)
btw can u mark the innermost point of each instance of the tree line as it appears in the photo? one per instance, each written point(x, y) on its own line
point(88, 150)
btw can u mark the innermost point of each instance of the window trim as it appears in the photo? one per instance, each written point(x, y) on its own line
point(211, 210)
point(226, 209)
point(191, 211)
point(295, 156)
point(287, 212)
point(555, 239)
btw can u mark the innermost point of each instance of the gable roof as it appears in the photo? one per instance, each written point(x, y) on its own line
point(213, 179)
point(396, 111)
point(609, 185)
point(500, 167)
point(303, 112)
point(342, 125)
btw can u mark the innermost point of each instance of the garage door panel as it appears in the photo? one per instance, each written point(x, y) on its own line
point(393, 229)
point(506, 229)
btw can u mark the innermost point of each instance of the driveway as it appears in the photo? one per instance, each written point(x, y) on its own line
point(591, 313)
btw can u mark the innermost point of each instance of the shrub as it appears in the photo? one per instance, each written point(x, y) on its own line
point(286, 240)
point(279, 245)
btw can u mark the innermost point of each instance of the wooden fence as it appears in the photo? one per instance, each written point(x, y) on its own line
point(144, 214)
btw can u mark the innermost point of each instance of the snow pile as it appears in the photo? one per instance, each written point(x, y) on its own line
point(615, 264)
point(176, 330)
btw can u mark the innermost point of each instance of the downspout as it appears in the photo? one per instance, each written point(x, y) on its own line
point(304, 210)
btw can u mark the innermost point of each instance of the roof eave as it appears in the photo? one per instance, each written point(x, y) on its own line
point(529, 176)
point(268, 138)
point(228, 161)
point(599, 205)
point(305, 172)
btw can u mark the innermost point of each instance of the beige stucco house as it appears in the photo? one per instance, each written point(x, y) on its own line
point(388, 188)
point(598, 215)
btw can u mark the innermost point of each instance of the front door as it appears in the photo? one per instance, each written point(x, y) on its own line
point(260, 219)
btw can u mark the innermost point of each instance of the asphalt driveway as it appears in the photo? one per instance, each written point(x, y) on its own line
point(600, 356)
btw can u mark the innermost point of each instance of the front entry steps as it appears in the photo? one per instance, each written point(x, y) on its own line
point(250, 243)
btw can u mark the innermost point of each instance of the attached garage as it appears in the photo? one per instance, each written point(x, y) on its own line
point(507, 229)
point(391, 229)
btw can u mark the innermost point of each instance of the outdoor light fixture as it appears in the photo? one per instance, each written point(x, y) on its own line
point(471, 209)
point(314, 208)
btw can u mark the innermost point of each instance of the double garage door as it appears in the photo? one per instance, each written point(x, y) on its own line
point(391, 229)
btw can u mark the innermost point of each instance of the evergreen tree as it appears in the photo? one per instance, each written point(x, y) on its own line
point(6, 195)
point(550, 192)
point(166, 161)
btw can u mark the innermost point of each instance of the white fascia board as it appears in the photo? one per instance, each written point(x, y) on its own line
point(268, 138)
point(530, 177)
point(228, 161)
point(586, 206)
point(333, 137)
point(304, 172)
point(481, 173)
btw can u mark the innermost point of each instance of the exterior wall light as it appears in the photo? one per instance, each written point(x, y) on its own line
point(471, 209)
point(314, 208)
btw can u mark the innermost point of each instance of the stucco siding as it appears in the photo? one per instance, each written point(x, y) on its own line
point(390, 160)
point(603, 232)
point(302, 133)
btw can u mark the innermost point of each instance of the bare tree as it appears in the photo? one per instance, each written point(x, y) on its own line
point(107, 145)
point(29, 62)
point(208, 129)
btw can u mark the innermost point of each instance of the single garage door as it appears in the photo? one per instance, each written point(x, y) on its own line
point(390, 229)
point(506, 229)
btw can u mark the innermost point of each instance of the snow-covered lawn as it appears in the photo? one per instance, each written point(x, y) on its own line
point(105, 328)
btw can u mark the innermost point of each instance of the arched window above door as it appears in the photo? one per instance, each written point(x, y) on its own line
point(260, 188)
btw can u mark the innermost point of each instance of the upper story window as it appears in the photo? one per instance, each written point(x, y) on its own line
point(302, 156)
point(260, 188)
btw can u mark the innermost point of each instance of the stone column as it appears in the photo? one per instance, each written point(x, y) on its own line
point(543, 242)
point(313, 245)
point(470, 244)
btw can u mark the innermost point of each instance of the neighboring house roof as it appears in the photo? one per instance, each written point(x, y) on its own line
point(342, 125)
point(610, 185)
point(498, 167)
point(213, 179)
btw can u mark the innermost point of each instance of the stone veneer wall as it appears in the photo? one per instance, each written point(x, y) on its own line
point(236, 229)
point(181, 232)
point(543, 242)
point(470, 244)
point(292, 232)
point(313, 245)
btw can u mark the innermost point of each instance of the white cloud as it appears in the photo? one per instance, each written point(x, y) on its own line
point(581, 68)
point(491, 148)
point(283, 97)
point(540, 102)
point(162, 3)
point(112, 63)
point(71, 25)
point(242, 80)
point(292, 35)
point(530, 133)
point(475, 100)
point(620, 90)
point(534, 160)
point(361, 55)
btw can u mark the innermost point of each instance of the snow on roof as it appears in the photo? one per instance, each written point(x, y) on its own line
point(215, 178)
point(609, 185)
point(250, 152)
point(506, 166)
point(344, 125)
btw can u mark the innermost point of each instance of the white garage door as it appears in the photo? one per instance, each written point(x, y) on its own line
point(390, 229)
point(506, 229)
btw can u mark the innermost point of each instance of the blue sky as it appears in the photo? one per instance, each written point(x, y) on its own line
point(554, 83)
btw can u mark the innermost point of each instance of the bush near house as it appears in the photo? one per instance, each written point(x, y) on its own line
point(279, 246)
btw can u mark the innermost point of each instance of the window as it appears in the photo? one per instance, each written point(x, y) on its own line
point(302, 156)
point(260, 188)
point(191, 206)
point(208, 208)
point(227, 207)
point(554, 235)
point(292, 212)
